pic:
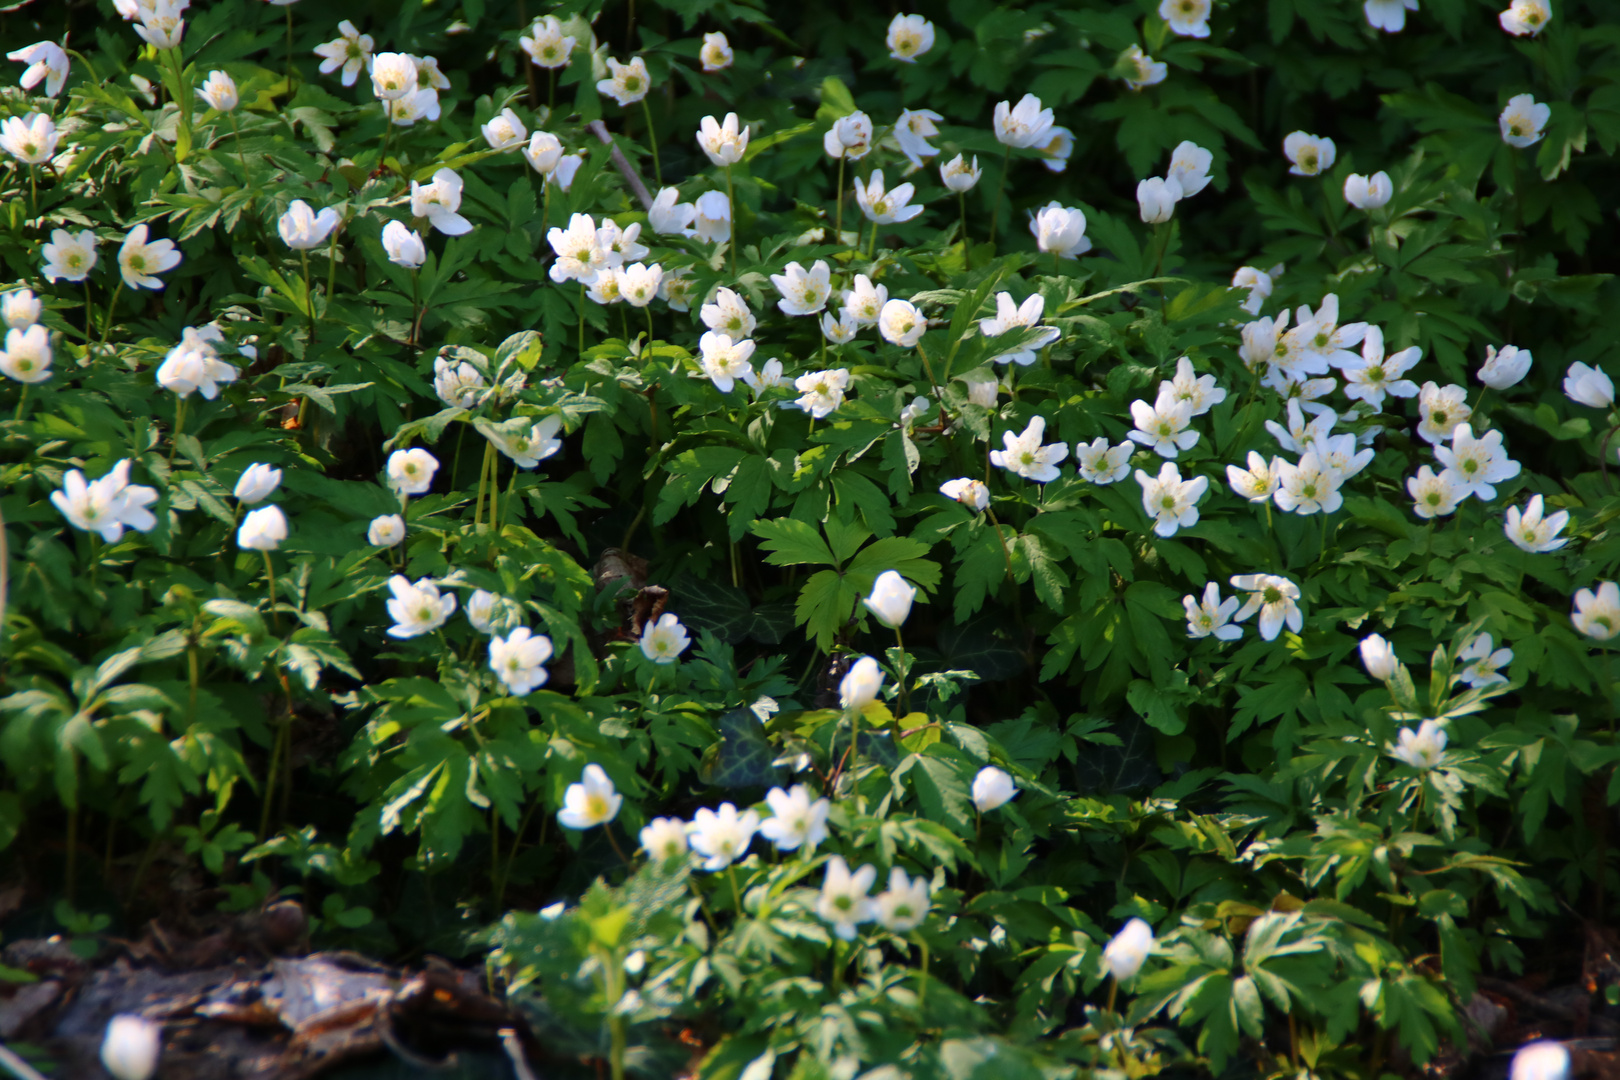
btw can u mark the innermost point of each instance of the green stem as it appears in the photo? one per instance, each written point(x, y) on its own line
point(184, 91)
point(736, 893)
point(106, 329)
point(416, 306)
point(905, 687)
point(179, 423)
point(961, 205)
point(871, 250)
point(652, 144)
point(247, 178)
point(33, 188)
point(995, 212)
point(331, 267)
point(839, 214)
point(22, 400)
point(309, 304)
point(582, 318)
point(922, 976)
point(736, 222)
point(276, 751)
point(270, 574)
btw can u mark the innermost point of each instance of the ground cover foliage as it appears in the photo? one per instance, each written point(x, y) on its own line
point(404, 515)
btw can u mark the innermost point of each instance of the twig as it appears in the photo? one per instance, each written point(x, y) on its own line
point(19, 1068)
point(514, 1053)
point(628, 171)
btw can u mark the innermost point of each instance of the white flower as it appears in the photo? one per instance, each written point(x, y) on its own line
point(1189, 169)
point(403, 246)
point(107, 505)
point(417, 609)
point(417, 105)
point(713, 221)
point(160, 25)
point(890, 600)
point(1128, 950)
point(724, 360)
point(722, 837)
point(844, 903)
point(393, 75)
point(1504, 369)
point(1198, 391)
point(1310, 154)
point(1523, 120)
point(1162, 426)
point(546, 44)
point(1376, 376)
point(592, 801)
point(885, 207)
point(638, 284)
point(860, 684)
point(1025, 456)
point(675, 288)
point(529, 448)
point(20, 309)
point(663, 642)
point(901, 323)
point(1588, 386)
point(1169, 500)
point(1258, 282)
point(864, 302)
point(850, 137)
point(796, 820)
point(909, 37)
point(131, 1047)
point(725, 144)
point(1262, 340)
point(626, 83)
point(821, 392)
point(351, 51)
point(1211, 615)
point(218, 91)
point(1378, 656)
point(1368, 192)
point(579, 255)
point(668, 216)
point(992, 789)
point(256, 483)
point(428, 74)
point(262, 530)
point(804, 292)
point(458, 384)
point(1432, 495)
point(1060, 230)
point(1421, 749)
point(1140, 69)
point(1011, 315)
point(1299, 436)
point(139, 261)
point(913, 130)
point(1442, 409)
point(1189, 18)
point(958, 175)
point(302, 229)
point(1476, 465)
point(543, 152)
point(1258, 481)
point(518, 661)
point(1101, 463)
point(194, 366)
point(1275, 598)
point(767, 376)
point(1022, 125)
point(1531, 531)
point(1388, 15)
point(439, 201)
point(1597, 615)
point(970, 493)
point(904, 906)
point(664, 838)
point(716, 52)
point(1056, 148)
point(840, 328)
point(1541, 1060)
point(46, 60)
point(386, 531)
point(728, 314)
point(1323, 339)
point(1308, 487)
point(1522, 17)
point(27, 355)
point(983, 388)
point(505, 131)
point(567, 166)
point(410, 472)
point(480, 610)
point(1156, 199)
point(1481, 664)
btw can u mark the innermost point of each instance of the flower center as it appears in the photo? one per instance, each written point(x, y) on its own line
point(137, 263)
point(632, 84)
point(596, 806)
point(1271, 594)
point(1438, 417)
point(843, 903)
point(1307, 161)
point(1433, 498)
point(1168, 502)
point(424, 613)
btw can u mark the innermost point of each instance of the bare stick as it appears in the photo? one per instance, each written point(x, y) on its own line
point(628, 171)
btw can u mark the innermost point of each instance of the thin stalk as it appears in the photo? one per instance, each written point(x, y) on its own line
point(652, 140)
point(331, 268)
point(922, 976)
point(270, 574)
point(995, 211)
point(179, 423)
point(608, 828)
point(838, 216)
point(277, 749)
point(388, 133)
point(905, 688)
point(416, 306)
point(33, 189)
point(22, 399)
point(582, 318)
point(247, 179)
point(112, 305)
point(736, 223)
point(648, 310)
point(871, 250)
point(182, 87)
point(736, 893)
point(961, 206)
point(309, 303)
point(1005, 550)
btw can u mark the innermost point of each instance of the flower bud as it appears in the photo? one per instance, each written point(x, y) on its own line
point(1505, 368)
point(891, 598)
point(1157, 198)
point(1129, 949)
point(386, 531)
point(860, 686)
point(262, 530)
point(131, 1047)
point(992, 788)
point(256, 483)
point(1379, 657)
point(1589, 386)
point(1368, 192)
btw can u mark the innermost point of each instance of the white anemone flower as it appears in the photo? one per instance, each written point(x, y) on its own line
point(1170, 501)
point(593, 801)
point(46, 61)
point(626, 83)
point(518, 659)
point(1477, 464)
point(796, 819)
point(1597, 615)
point(1388, 15)
point(1211, 616)
point(1024, 455)
point(1275, 598)
point(350, 50)
point(1481, 663)
point(725, 144)
point(1311, 154)
point(1023, 125)
point(909, 37)
point(804, 292)
point(1533, 532)
point(724, 360)
point(663, 641)
point(821, 392)
point(721, 837)
point(439, 203)
point(885, 207)
point(901, 323)
point(1524, 120)
point(844, 902)
point(1189, 18)
point(417, 609)
point(1162, 426)
point(1101, 463)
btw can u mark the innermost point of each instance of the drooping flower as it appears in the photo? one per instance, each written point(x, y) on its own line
point(1024, 455)
point(1189, 168)
point(1476, 465)
point(46, 60)
point(1211, 615)
point(403, 245)
point(913, 130)
point(725, 144)
point(713, 221)
point(1388, 15)
point(860, 684)
point(1526, 17)
point(909, 37)
point(885, 207)
point(1156, 199)
point(890, 599)
point(664, 838)
point(970, 493)
point(1128, 950)
point(716, 53)
point(393, 75)
point(544, 153)
point(1169, 500)
point(351, 51)
point(1101, 463)
point(1258, 282)
point(1588, 386)
point(108, 505)
point(439, 203)
point(1597, 615)
point(1378, 656)
point(257, 483)
point(1480, 664)
point(518, 660)
point(1533, 532)
point(722, 837)
point(804, 292)
point(1139, 69)
point(1523, 121)
point(1368, 192)
point(901, 323)
point(262, 530)
point(1423, 748)
point(1060, 230)
point(850, 137)
point(410, 472)
point(1434, 495)
point(992, 789)
point(592, 801)
point(546, 44)
point(904, 905)
point(504, 131)
point(1275, 598)
point(417, 609)
point(1023, 125)
point(1310, 154)
point(1189, 18)
point(386, 531)
point(663, 641)
point(796, 819)
point(1505, 368)
point(670, 217)
point(140, 261)
point(1056, 148)
point(844, 903)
